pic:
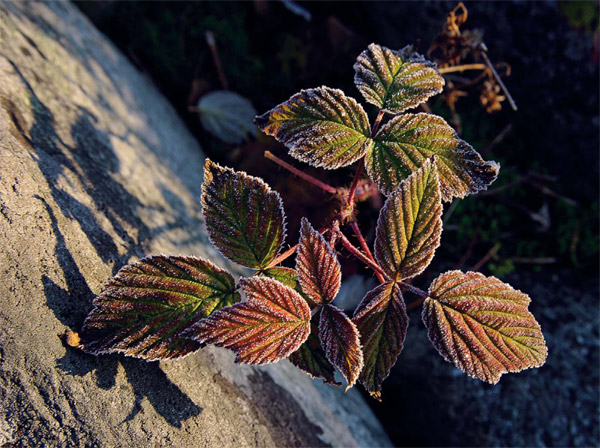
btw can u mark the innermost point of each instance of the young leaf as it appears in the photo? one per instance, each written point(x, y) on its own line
point(395, 81)
point(322, 127)
point(319, 271)
point(482, 325)
point(382, 323)
point(271, 324)
point(244, 217)
point(406, 141)
point(227, 115)
point(410, 224)
point(340, 339)
point(146, 307)
point(311, 359)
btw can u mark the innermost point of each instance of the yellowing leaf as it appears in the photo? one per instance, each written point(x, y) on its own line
point(244, 217)
point(482, 325)
point(340, 339)
point(145, 309)
point(319, 272)
point(271, 324)
point(322, 127)
point(382, 323)
point(394, 80)
point(404, 143)
point(410, 224)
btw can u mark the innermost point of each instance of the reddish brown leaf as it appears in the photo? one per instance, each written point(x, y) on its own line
point(319, 271)
point(482, 325)
point(340, 339)
point(271, 324)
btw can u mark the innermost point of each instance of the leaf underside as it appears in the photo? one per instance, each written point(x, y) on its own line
point(394, 81)
point(270, 325)
point(227, 115)
point(382, 322)
point(145, 309)
point(410, 224)
point(341, 342)
point(482, 325)
point(404, 143)
point(322, 127)
point(319, 272)
point(244, 217)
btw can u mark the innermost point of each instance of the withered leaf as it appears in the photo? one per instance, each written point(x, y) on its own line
point(382, 322)
point(482, 325)
point(144, 310)
point(404, 143)
point(410, 224)
point(271, 324)
point(340, 339)
point(322, 127)
point(319, 272)
point(244, 217)
point(395, 80)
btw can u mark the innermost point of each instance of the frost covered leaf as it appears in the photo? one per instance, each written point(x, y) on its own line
point(311, 359)
point(406, 141)
point(227, 116)
point(382, 323)
point(146, 307)
point(287, 276)
point(340, 339)
point(319, 272)
point(322, 127)
point(410, 224)
point(482, 325)
point(394, 80)
point(244, 217)
point(271, 324)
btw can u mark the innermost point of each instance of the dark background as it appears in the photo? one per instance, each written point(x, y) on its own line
point(541, 217)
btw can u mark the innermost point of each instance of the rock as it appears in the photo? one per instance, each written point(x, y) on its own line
point(96, 170)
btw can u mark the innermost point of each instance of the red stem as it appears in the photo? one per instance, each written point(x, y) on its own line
point(415, 304)
point(362, 257)
point(377, 123)
point(350, 200)
point(365, 247)
point(307, 177)
point(288, 253)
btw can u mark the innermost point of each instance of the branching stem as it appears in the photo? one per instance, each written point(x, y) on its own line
point(497, 76)
point(307, 177)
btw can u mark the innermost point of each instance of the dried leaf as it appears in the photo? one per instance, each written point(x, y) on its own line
point(271, 324)
point(340, 339)
point(311, 359)
point(382, 322)
point(227, 115)
point(410, 224)
point(144, 310)
point(482, 325)
point(319, 272)
point(322, 127)
point(406, 141)
point(395, 80)
point(244, 217)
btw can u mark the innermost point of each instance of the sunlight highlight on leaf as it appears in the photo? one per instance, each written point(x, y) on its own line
point(482, 325)
point(144, 310)
point(244, 217)
point(322, 127)
point(271, 324)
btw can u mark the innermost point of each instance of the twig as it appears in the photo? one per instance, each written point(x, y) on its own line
point(210, 40)
point(503, 133)
point(450, 211)
point(493, 251)
point(469, 250)
point(539, 260)
point(462, 68)
point(497, 76)
point(307, 177)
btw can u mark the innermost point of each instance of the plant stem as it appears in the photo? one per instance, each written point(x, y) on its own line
point(291, 251)
point(212, 44)
point(415, 304)
point(414, 290)
point(462, 68)
point(365, 247)
point(377, 123)
point(493, 251)
point(497, 76)
point(307, 177)
point(362, 257)
point(352, 192)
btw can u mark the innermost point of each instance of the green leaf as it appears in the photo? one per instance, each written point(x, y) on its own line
point(341, 342)
point(395, 80)
point(410, 224)
point(382, 322)
point(270, 325)
point(311, 359)
point(227, 116)
point(244, 217)
point(287, 276)
point(322, 127)
point(145, 309)
point(482, 325)
point(404, 143)
point(319, 271)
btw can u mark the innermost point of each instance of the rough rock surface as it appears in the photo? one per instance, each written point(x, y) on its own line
point(96, 170)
